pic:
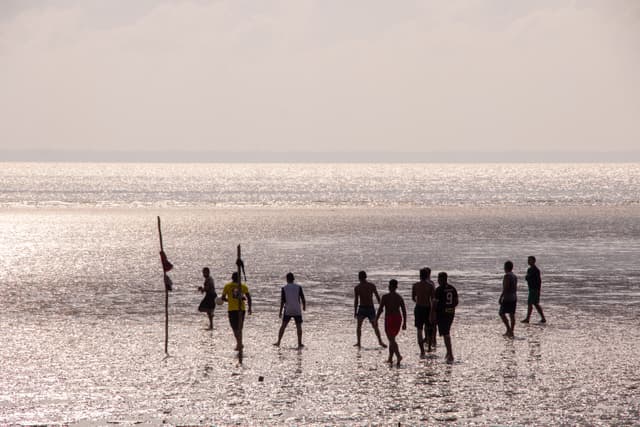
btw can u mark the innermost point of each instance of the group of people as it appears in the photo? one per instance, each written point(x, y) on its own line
point(434, 309)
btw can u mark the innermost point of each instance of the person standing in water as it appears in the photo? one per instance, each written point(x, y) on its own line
point(392, 304)
point(363, 307)
point(509, 298)
point(444, 310)
point(422, 294)
point(534, 283)
point(208, 303)
point(236, 307)
point(293, 302)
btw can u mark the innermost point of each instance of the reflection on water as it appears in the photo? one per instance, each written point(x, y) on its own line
point(83, 333)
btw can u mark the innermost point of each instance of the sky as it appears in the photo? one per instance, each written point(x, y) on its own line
point(271, 79)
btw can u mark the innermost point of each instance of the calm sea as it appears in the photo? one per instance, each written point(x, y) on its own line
point(82, 303)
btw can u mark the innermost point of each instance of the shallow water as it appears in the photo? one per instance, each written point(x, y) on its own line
point(82, 306)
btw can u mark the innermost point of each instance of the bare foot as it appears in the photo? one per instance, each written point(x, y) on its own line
point(390, 361)
point(449, 359)
point(300, 345)
point(399, 359)
point(357, 345)
point(383, 345)
point(277, 344)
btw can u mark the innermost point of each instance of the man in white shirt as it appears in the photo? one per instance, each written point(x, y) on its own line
point(293, 302)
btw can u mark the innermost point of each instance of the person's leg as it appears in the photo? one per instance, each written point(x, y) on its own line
point(210, 315)
point(299, 332)
point(283, 326)
point(447, 343)
point(421, 341)
point(374, 323)
point(506, 324)
point(512, 317)
point(529, 310)
point(396, 348)
point(543, 320)
point(359, 330)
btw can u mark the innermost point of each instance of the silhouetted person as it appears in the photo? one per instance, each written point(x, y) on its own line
point(293, 302)
point(422, 294)
point(509, 298)
point(363, 307)
point(392, 304)
point(534, 282)
point(208, 303)
point(445, 302)
point(236, 306)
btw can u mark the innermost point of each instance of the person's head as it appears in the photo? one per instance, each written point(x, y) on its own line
point(425, 273)
point(531, 260)
point(206, 272)
point(290, 278)
point(442, 278)
point(362, 275)
point(508, 266)
point(234, 277)
point(393, 285)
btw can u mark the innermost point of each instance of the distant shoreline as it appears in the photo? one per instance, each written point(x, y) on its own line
point(87, 156)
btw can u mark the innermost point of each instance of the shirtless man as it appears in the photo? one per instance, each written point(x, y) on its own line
point(422, 294)
point(509, 298)
point(363, 306)
point(392, 304)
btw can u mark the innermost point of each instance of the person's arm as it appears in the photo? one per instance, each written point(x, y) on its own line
point(432, 312)
point(282, 300)
point(375, 292)
point(380, 310)
point(404, 314)
point(455, 297)
point(249, 301)
point(355, 302)
point(504, 288)
point(304, 302)
point(413, 293)
point(224, 294)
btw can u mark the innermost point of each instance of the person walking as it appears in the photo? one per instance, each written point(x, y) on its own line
point(208, 303)
point(236, 307)
point(293, 302)
point(444, 310)
point(508, 298)
point(395, 316)
point(422, 294)
point(534, 283)
point(363, 307)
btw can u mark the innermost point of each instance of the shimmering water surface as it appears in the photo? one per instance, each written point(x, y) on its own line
point(82, 303)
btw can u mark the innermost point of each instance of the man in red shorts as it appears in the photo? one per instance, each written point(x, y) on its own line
point(393, 319)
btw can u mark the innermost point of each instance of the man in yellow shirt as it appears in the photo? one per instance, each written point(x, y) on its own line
point(236, 307)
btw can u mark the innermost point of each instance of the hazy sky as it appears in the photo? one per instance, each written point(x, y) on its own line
point(320, 75)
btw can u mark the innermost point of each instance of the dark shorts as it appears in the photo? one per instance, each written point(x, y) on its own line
point(421, 315)
point(534, 296)
point(508, 307)
point(286, 318)
point(444, 323)
point(234, 319)
point(367, 311)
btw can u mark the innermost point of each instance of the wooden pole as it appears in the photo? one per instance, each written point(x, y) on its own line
point(166, 296)
point(240, 313)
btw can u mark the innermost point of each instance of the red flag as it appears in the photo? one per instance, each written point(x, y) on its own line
point(166, 265)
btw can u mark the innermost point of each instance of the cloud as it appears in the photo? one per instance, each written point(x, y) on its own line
point(321, 75)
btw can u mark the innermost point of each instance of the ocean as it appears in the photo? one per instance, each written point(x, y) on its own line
point(82, 297)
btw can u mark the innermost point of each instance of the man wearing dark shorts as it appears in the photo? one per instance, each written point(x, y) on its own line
point(363, 307)
point(236, 307)
point(509, 298)
point(534, 282)
point(422, 294)
point(293, 302)
point(444, 310)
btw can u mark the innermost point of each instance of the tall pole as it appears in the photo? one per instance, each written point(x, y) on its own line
point(240, 312)
point(166, 296)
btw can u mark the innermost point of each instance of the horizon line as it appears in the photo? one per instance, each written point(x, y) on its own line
point(211, 156)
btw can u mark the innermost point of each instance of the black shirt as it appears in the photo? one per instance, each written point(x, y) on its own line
point(533, 277)
point(447, 299)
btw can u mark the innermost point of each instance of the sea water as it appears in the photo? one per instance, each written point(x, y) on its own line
point(82, 299)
